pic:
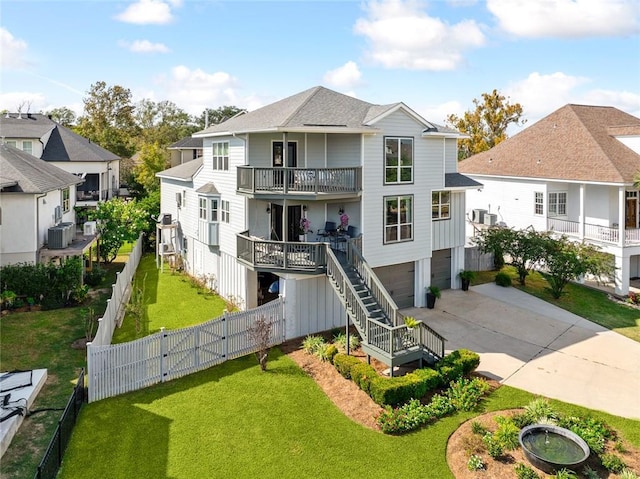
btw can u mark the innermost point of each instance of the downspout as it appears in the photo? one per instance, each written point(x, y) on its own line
point(38, 226)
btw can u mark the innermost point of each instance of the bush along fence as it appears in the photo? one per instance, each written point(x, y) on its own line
point(120, 368)
point(50, 463)
point(119, 297)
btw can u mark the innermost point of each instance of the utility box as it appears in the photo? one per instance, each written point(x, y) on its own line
point(90, 228)
point(490, 219)
point(166, 219)
point(478, 215)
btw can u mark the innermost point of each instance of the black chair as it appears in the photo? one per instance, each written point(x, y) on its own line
point(341, 240)
point(330, 229)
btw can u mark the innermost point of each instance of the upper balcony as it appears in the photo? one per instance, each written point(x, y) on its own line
point(602, 234)
point(300, 183)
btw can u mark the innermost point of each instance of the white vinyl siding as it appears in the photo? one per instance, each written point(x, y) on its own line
point(451, 234)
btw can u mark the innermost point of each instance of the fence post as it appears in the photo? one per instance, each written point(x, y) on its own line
point(162, 353)
point(225, 337)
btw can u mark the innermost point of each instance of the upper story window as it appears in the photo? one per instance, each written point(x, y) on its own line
point(214, 205)
point(66, 201)
point(440, 205)
point(209, 209)
point(27, 146)
point(221, 155)
point(539, 203)
point(202, 208)
point(12, 143)
point(398, 160)
point(398, 218)
point(224, 211)
point(557, 204)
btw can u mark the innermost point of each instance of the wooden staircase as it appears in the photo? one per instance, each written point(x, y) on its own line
point(375, 315)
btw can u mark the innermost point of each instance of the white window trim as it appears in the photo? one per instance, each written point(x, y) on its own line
point(538, 195)
point(220, 162)
point(554, 205)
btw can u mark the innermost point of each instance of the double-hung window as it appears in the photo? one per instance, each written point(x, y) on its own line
point(398, 218)
point(202, 208)
point(27, 146)
point(66, 202)
point(539, 203)
point(213, 204)
point(398, 160)
point(557, 204)
point(440, 205)
point(221, 155)
point(224, 211)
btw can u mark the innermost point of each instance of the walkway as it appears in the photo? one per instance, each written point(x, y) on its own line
point(530, 344)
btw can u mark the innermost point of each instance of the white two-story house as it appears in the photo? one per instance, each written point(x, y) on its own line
point(45, 139)
point(376, 185)
point(573, 173)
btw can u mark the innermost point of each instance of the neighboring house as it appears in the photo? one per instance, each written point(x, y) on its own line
point(573, 173)
point(236, 214)
point(43, 138)
point(34, 197)
point(184, 150)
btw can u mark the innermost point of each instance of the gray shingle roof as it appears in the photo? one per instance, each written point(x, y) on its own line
point(208, 189)
point(30, 125)
point(457, 180)
point(184, 172)
point(186, 143)
point(65, 145)
point(30, 174)
point(576, 142)
point(315, 109)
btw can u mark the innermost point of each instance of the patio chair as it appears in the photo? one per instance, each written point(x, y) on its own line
point(330, 229)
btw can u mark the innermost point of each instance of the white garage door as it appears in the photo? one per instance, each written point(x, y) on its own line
point(398, 279)
point(441, 268)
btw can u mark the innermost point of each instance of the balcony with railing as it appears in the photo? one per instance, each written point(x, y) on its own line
point(294, 257)
point(300, 183)
point(603, 234)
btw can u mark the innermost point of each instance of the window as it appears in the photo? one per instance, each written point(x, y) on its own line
point(221, 155)
point(224, 213)
point(539, 203)
point(12, 143)
point(557, 204)
point(398, 219)
point(398, 160)
point(214, 211)
point(27, 146)
point(202, 208)
point(66, 203)
point(440, 205)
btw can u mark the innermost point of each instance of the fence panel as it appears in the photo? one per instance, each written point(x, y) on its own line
point(119, 368)
point(477, 261)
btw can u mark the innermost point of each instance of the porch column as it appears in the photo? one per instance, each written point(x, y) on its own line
point(288, 291)
point(422, 280)
point(622, 205)
point(457, 265)
point(622, 273)
point(581, 226)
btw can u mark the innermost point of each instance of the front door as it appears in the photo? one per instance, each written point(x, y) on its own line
point(293, 229)
point(631, 213)
point(294, 214)
point(276, 223)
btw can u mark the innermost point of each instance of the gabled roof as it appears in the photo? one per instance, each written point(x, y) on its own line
point(459, 181)
point(208, 189)
point(317, 109)
point(24, 173)
point(184, 172)
point(25, 125)
point(574, 143)
point(186, 143)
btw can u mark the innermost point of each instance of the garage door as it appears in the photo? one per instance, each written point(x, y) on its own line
point(398, 279)
point(441, 268)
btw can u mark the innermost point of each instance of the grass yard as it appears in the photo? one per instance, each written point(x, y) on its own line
point(587, 302)
point(234, 421)
point(171, 300)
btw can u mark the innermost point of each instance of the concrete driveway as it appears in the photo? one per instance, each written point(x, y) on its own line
point(529, 344)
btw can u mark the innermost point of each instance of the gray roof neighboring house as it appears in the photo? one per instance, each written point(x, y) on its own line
point(189, 143)
point(25, 125)
point(24, 173)
point(574, 143)
point(316, 109)
point(457, 180)
point(184, 172)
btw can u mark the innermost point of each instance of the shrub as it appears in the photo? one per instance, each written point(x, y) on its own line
point(406, 418)
point(628, 474)
point(362, 374)
point(478, 428)
point(612, 463)
point(539, 410)
point(344, 363)
point(311, 343)
point(594, 432)
point(566, 474)
point(340, 340)
point(503, 279)
point(507, 433)
point(494, 447)
point(325, 352)
point(95, 276)
point(590, 473)
point(466, 393)
point(79, 294)
point(475, 463)
point(457, 363)
point(525, 472)
point(521, 420)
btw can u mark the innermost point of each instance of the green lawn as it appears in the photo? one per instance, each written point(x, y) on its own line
point(587, 302)
point(235, 421)
point(171, 300)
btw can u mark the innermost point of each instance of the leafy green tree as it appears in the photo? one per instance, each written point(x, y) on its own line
point(150, 204)
point(152, 159)
point(163, 122)
point(63, 116)
point(108, 119)
point(522, 249)
point(636, 180)
point(216, 116)
point(486, 124)
point(118, 221)
point(567, 261)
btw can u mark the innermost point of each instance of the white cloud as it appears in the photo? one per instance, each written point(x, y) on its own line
point(35, 101)
point(144, 46)
point(567, 18)
point(13, 50)
point(344, 77)
point(144, 12)
point(402, 35)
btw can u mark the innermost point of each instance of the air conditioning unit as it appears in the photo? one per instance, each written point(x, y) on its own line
point(90, 228)
point(68, 232)
point(166, 219)
point(477, 215)
point(56, 238)
point(490, 219)
point(57, 214)
point(179, 199)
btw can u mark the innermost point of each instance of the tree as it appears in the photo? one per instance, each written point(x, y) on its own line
point(118, 221)
point(63, 116)
point(487, 124)
point(108, 119)
point(523, 248)
point(636, 180)
point(567, 261)
point(152, 159)
point(163, 122)
point(216, 116)
point(260, 336)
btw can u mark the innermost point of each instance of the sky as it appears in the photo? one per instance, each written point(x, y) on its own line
point(434, 56)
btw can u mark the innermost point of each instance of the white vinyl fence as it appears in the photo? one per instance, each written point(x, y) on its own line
point(119, 297)
point(120, 368)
